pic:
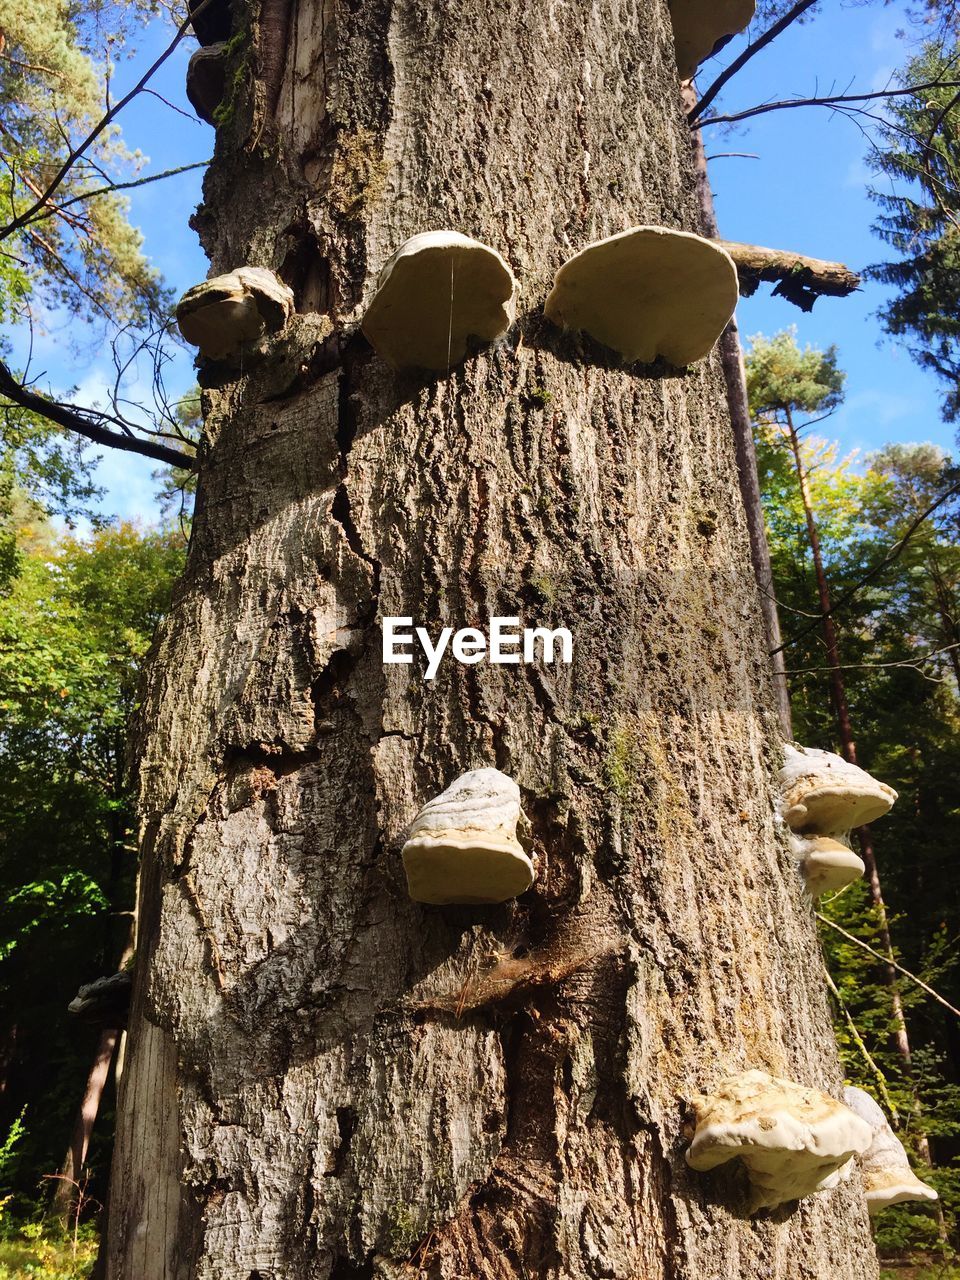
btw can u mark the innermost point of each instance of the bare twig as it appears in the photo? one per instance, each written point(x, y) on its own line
point(751, 51)
point(859, 1042)
point(832, 100)
point(887, 960)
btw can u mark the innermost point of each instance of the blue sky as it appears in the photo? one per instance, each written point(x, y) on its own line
point(806, 192)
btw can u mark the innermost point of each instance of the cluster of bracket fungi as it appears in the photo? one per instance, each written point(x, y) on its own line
point(648, 292)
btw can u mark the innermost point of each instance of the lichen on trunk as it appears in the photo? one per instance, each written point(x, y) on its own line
point(326, 1079)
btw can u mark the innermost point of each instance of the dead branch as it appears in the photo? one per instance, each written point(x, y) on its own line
point(887, 960)
point(74, 419)
point(799, 279)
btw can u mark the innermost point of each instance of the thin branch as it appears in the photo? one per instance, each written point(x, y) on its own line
point(751, 51)
point(859, 1042)
point(887, 960)
point(53, 209)
point(915, 663)
point(830, 101)
point(888, 558)
point(73, 420)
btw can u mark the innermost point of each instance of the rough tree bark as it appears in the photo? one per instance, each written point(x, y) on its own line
point(325, 1079)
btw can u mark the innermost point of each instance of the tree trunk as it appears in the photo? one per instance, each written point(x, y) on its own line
point(325, 1079)
point(68, 1181)
point(735, 377)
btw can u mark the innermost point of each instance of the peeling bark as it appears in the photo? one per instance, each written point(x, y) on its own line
point(324, 1078)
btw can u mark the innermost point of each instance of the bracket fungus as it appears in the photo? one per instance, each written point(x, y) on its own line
point(825, 794)
point(648, 292)
point(826, 864)
point(105, 1002)
point(228, 314)
point(206, 80)
point(700, 25)
point(463, 846)
point(794, 1141)
point(439, 290)
point(887, 1175)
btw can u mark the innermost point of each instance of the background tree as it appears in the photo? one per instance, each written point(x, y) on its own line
point(73, 631)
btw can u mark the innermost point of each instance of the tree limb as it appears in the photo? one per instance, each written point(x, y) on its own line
point(799, 279)
point(834, 100)
point(76, 152)
point(73, 420)
point(751, 50)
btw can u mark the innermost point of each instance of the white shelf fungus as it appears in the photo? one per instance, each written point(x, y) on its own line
point(226, 314)
point(439, 290)
point(648, 292)
point(824, 794)
point(699, 25)
point(463, 845)
point(826, 864)
point(887, 1175)
point(794, 1141)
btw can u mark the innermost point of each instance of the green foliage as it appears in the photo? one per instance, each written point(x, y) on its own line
point(74, 629)
point(919, 154)
point(782, 378)
point(905, 710)
point(39, 1255)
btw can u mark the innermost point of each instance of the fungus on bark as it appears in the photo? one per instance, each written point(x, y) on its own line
point(794, 1141)
point(229, 314)
point(463, 846)
point(825, 794)
point(206, 80)
point(105, 1002)
point(213, 23)
point(826, 864)
point(437, 292)
point(700, 26)
point(648, 292)
point(887, 1175)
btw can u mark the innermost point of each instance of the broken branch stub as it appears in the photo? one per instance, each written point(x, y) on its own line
point(799, 279)
point(228, 315)
point(700, 26)
point(793, 1140)
point(648, 292)
point(437, 292)
point(463, 846)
